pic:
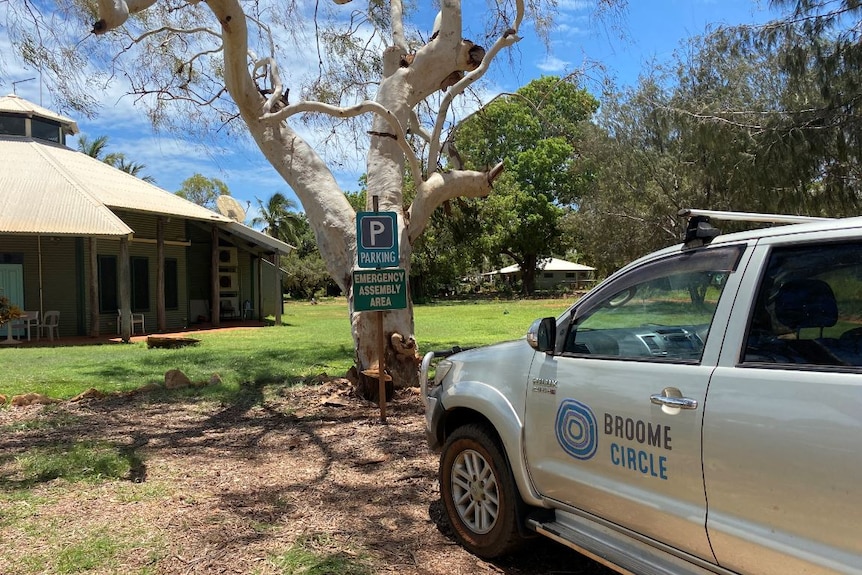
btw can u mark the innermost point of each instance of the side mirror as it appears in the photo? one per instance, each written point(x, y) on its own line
point(543, 334)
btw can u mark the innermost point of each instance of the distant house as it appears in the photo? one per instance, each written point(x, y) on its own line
point(86, 239)
point(553, 273)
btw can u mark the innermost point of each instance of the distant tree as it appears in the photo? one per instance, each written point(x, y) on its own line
point(535, 132)
point(96, 148)
point(813, 130)
point(306, 275)
point(203, 191)
point(740, 120)
point(279, 218)
point(448, 251)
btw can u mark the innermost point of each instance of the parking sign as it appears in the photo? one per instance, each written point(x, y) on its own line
point(377, 235)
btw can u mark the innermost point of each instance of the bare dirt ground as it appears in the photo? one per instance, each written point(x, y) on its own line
point(229, 488)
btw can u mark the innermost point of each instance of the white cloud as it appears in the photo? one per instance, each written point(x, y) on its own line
point(553, 65)
point(576, 5)
point(564, 32)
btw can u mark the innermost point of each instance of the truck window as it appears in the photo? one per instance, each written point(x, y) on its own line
point(662, 311)
point(808, 309)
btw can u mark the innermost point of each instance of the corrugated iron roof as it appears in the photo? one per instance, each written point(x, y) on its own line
point(38, 197)
point(47, 188)
point(57, 190)
point(18, 105)
point(548, 265)
point(117, 189)
point(261, 239)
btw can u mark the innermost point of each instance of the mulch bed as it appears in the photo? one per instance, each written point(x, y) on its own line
point(225, 488)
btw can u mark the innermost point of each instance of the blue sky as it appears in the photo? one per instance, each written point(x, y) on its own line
point(649, 30)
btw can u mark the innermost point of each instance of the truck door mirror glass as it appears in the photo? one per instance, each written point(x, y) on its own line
point(543, 334)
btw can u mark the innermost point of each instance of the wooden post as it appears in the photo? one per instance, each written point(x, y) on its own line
point(215, 304)
point(125, 291)
point(93, 294)
point(161, 317)
point(279, 291)
point(258, 310)
point(381, 362)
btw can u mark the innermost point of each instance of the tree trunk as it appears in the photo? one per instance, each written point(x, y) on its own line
point(400, 349)
point(385, 179)
point(327, 208)
point(528, 275)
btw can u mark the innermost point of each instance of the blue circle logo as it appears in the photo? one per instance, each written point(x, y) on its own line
point(577, 429)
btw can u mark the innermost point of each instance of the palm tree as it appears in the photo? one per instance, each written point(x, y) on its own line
point(93, 148)
point(131, 168)
point(278, 218)
point(96, 149)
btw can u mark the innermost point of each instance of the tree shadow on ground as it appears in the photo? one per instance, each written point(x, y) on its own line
point(269, 463)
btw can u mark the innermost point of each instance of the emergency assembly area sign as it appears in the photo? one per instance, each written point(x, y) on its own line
point(377, 234)
point(379, 290)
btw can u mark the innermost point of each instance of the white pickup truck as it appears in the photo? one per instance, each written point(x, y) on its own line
point(698, 412)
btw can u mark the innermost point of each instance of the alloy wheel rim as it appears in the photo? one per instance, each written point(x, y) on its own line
point(475, 491)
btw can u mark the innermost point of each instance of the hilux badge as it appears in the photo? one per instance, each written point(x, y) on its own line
point(543, 385)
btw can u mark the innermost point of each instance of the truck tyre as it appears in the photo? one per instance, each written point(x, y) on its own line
point(479, 493)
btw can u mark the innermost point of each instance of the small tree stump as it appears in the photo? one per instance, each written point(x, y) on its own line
point(170, 342)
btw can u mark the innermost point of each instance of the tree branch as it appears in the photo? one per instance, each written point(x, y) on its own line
point(396, 16)
point(416, 127)
point(508, 38)
point(149, 33)
point(353, 111)
point(270, 62)
point(114, 13)
point(440, 187)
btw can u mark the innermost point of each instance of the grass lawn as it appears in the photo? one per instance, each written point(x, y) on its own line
point(266, 479)
point(315, 339)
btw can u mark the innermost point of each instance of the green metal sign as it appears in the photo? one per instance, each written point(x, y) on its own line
point(379, 290)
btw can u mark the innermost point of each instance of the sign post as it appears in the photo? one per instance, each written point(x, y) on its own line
point(378, 285)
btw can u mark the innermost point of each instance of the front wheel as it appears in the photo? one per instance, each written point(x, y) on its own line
point(479, 494)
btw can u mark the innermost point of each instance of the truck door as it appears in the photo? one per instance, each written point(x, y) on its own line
point(613, 418)
point(783, 427)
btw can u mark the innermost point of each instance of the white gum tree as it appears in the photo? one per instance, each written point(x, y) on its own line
point(402, 77)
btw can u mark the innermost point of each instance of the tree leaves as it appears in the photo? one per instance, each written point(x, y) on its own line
point(203, 190)
point(535, 132)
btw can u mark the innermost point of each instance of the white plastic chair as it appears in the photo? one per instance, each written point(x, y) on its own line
point(50, 324)
point(29, 321)
point(137, 319)
point(247, 310)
